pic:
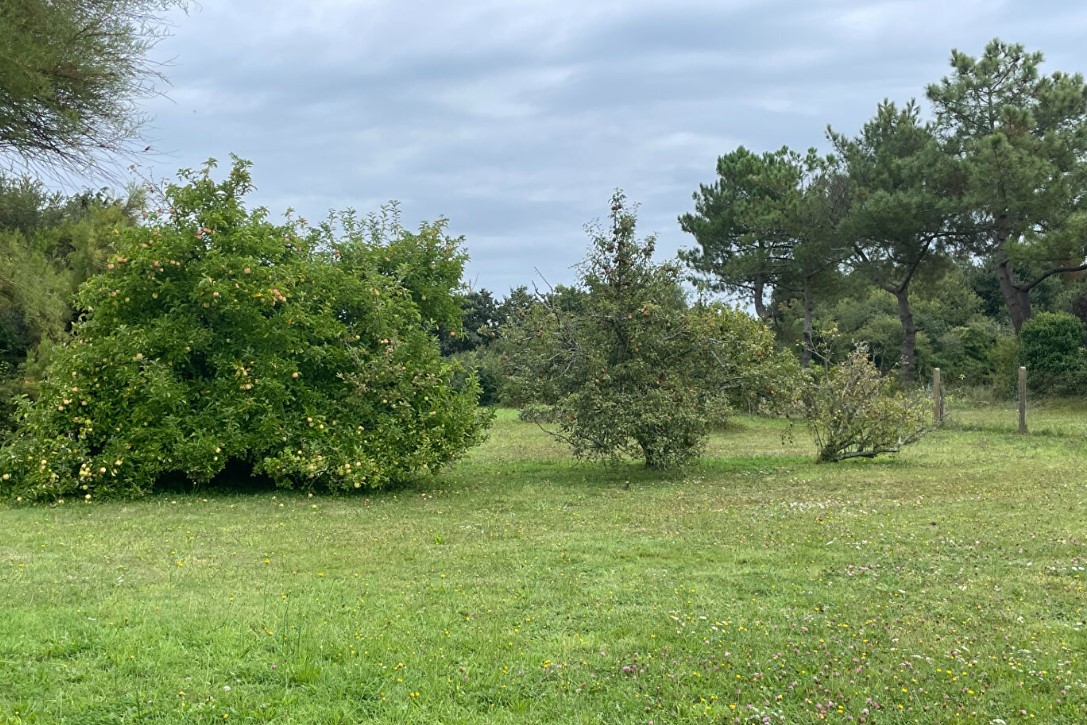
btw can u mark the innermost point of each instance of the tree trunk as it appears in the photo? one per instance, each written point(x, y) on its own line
point(909, 334)
point(809, 337)
point(1016, 299)
point(649, 453)
point(760, 303)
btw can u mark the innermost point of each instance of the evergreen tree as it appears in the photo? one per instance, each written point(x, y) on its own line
point(1022, 140)
point(899, 208)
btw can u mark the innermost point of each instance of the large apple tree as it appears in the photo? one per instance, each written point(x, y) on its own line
point(215, 337)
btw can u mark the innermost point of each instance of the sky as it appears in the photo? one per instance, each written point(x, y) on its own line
point(516, 119)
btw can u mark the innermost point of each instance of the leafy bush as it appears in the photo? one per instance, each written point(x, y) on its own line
point(1051, 348)
point(215, 336)
point(628, 369)
point(49, 245)
point(485, 364)
point(966, 353)
point(853, 412)
point(10, 387)
point(617, 365)
point(1005, 363)
point(739, 363)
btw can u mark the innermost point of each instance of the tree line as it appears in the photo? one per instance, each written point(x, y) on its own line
point(935, 238)
point(986, 193)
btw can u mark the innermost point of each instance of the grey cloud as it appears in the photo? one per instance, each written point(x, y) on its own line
point(516, 120)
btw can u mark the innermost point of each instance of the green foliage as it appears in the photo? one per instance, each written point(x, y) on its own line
point(1076, 301)
point(71, 74)
point(965, 224)
point(740, 363)
point(481, 317)
point(871, 319)
point(953, 334)
point(49, 245)
point(10, 387)
point(1021, 138)
point(427, 265)
point(215, 336)
point(1005, 362)
point(617, 370)
point(854, 412)
point(743, 223)
point(753, 225)
point(1051, 348)
point(967, 354)
point(768, 225)
point(480, 345)
point(33, 297)
point(900, 208)
point(486, 365)
point(628, 369)
point(536, 413)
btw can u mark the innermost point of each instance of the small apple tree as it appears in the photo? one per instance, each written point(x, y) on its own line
point(215, 336)
point(628, 368)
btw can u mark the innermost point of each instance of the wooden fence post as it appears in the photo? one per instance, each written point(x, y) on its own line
point(937, 398)
point(1022, 400)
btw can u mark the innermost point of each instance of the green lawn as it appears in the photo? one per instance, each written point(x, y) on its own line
point(950, 582)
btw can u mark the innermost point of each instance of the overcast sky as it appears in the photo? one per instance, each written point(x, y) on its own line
point(516, 119)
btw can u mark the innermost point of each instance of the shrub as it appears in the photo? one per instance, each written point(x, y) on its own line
point(215, 336)
point(614, 356)
point(965, 354)
point(1005, 363)
point(1051, 348)
point(49, 245)
point(853, 412)
point(627, 367)
point(739, 363)
point(10, 387)
point(485, 365)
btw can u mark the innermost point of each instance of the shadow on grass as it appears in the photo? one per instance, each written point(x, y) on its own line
point(237, 477)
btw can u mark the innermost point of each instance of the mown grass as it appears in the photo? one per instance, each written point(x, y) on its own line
point(948, 583)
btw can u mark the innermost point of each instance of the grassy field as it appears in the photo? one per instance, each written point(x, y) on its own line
point(945, 585)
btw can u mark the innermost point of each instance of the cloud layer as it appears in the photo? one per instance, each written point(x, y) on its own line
point(516, 120)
